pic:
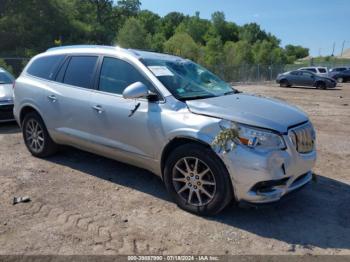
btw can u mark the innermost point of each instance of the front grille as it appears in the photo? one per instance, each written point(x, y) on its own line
point(304, 138)
point(6, 112)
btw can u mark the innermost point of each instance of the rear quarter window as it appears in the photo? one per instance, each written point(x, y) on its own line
point(322, 70)
point(45, 67)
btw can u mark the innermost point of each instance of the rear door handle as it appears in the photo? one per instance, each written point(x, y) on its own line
point(52, 98)
point(98, 108)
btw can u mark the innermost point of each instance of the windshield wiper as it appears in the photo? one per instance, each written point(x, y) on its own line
point(195, 97)
point(232, 92)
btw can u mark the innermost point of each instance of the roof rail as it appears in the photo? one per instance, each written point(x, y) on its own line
point(80, 46)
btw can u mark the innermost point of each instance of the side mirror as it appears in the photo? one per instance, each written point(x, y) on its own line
point(137, 90)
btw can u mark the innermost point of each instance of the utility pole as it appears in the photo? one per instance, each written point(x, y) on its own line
point(342, 49)
point(333, 49)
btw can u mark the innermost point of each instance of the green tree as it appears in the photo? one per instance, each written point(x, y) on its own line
point(5, 66)
point(170, 22)
point(133, 35)
point(297, 51)
point(130, 7)
point(227, 31)
point(252, 33)
point(195, 27)
point(267, 53)
point(238, 53)
point(157, 42)
point(182, 44)
point(212, 56)
point(149, 20)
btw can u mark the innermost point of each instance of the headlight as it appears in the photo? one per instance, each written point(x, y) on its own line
point(259, 139)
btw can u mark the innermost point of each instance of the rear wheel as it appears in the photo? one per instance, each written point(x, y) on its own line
point(36, 137)
point(284, 83)
point(340, 80)
point(197, 180)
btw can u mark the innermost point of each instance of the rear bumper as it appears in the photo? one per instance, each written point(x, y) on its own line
point(6, 112)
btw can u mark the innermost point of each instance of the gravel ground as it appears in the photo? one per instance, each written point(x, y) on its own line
point(85, 204)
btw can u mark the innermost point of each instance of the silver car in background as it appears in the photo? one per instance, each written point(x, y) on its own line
point(163, 113)
point(318, 70)
point(6, 96)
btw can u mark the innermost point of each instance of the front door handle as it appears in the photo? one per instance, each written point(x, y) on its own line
point(52, 98)
point(98, 108)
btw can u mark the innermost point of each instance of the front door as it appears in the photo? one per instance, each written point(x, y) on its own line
point(116, 127)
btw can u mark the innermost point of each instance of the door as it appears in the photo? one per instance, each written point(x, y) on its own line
point(307, 78)
point(133, 135)
point(69, 98)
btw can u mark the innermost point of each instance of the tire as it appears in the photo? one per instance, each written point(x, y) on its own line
point(284, 83)
point(340, 80)
point(36, 137)
point(180, 183)
point(321, 85)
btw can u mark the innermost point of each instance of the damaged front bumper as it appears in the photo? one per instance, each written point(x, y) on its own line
point(266, 177)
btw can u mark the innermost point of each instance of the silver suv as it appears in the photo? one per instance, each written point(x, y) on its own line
point(207, 141)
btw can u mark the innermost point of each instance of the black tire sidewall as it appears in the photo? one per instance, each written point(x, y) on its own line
point(223, 194)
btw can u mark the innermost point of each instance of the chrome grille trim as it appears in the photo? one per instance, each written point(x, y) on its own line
point(305, 138)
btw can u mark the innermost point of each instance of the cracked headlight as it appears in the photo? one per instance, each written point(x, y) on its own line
point(257, 138)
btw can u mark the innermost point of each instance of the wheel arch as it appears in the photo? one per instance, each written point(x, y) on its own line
point(176, 142)
point(26, 110)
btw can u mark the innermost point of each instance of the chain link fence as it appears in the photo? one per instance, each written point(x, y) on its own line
point(244, 73)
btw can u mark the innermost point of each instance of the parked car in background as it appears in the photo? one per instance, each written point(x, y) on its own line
point(6, 96)
point(163, 113)
point(305, 78)
point(321, 71)
point(338, 69)
point(341, 76)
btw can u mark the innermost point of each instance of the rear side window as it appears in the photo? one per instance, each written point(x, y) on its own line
point(117, 74)
point(45, 67)
point(322, 70)
point(80, 71)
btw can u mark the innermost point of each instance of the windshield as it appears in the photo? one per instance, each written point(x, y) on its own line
point(187, 80)
point(5, 78)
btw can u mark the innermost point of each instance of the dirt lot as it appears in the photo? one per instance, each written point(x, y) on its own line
point(85, 204)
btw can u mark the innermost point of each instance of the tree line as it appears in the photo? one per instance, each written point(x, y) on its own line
point(28, 27)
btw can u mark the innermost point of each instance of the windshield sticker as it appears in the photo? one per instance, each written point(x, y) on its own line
point(161, 71)
point(180, 90)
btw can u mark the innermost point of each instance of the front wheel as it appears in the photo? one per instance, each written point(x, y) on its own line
point(321, 85)
point(197, 180)
point(36, 137)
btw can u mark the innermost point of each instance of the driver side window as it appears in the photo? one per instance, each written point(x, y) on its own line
point(117, 74)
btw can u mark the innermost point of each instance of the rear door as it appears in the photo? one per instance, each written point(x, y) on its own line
point(68, 101)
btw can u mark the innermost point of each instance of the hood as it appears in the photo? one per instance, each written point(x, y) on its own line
point(6, 92)
point(251, 110)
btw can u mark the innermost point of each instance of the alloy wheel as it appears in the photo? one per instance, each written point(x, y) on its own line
point(194, 181)
point(34, 136)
